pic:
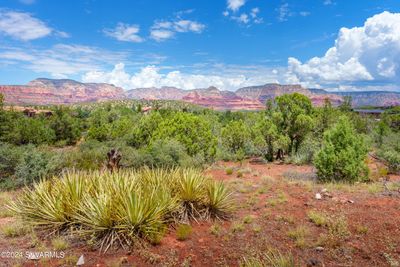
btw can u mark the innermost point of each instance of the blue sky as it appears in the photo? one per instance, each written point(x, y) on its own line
point(334, 44)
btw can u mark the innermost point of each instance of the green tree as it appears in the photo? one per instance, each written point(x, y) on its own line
point(66, 128)
point(141, 134)
point(234, 136)
point(191, 131)
point(294, 119)
point(32, 131)
point(325, 117)
point(342, 157)
point(269, 134)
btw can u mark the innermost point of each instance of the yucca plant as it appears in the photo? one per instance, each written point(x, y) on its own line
point(95, 216)
point(122, 207)
point(219, 200)
point(144, 213)
point(43, 206)
point(191, 192)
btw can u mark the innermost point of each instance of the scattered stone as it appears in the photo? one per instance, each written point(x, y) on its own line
point(124, 260)
point(318, 196)
point(319, 249)
point(313, 262)
point(323, 191)
point(81, 261)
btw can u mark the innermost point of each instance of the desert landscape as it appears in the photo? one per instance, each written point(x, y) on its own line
point(230, 133)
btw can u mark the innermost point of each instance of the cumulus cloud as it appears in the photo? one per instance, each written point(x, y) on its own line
point(235, 5)
point(151, 76)
point(370, 53)
point(125, 32)
point(164, 30)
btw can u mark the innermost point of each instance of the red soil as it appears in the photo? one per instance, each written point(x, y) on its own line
point(377, 213)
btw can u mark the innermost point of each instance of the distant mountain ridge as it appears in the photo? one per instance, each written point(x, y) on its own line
point(60, 91)
point(368, 98)
point(64, 91)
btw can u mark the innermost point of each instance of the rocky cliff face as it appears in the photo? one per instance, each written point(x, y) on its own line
point(48, 91)
point(221, 100)
point(270, 91)
point(367, 98)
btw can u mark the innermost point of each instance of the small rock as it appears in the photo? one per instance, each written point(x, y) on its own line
point(318, 196)
point(313, 262)
point(124, 260)
point(323, 191)
point(350, 201)
point(81, 261)
point(319, 249)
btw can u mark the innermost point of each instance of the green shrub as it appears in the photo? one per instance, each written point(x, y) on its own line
point(35, 165)
point(193, 132)
point(318, 218)
point(390, 152)
point(342, 155)
point(59, 243)
point(272, 258)
point(183, 232)
point(9, 158)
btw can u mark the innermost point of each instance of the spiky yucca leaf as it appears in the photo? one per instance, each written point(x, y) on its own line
point(219, 200)
point(43, 205)
point(144, 213)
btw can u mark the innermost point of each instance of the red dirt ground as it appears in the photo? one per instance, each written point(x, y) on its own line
point(373, 220)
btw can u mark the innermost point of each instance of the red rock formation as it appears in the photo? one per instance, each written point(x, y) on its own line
point(47, 91)
point(270, 91)
point(221, 100)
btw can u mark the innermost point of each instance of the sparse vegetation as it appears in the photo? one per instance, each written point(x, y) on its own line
point(183, 232)
point(273, 258)
point(59, 243)
point(15, 230)
point(318, 218)
point(299, 235)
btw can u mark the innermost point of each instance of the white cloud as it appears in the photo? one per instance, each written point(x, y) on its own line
point(22, 26)
point(125, 32)
point(235, 5)
point(284, 12)
point(164, 30)
point(60, 60)
point(370, 53)
point(247, 18)
point(161, 35)
point(228, 78)
point(243, 18)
